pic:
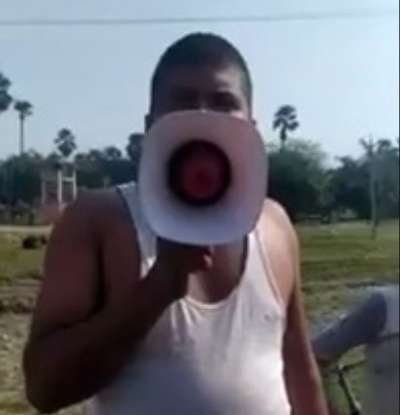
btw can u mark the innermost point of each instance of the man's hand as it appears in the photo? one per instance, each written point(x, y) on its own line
point(175, 262)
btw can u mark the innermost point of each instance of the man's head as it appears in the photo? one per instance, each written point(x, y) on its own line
point(201, 71)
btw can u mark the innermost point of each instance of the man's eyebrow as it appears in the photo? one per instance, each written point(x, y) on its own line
point(227, 95)
point(225, 92)
point(183, 89)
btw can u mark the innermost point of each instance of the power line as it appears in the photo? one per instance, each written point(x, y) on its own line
point(361, 14)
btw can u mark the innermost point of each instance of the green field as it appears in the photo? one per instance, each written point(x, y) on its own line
point(339, 262)
point(17, 263)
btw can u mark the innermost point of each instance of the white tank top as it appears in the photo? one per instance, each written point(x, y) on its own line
point(222, 358)
point(382, 392)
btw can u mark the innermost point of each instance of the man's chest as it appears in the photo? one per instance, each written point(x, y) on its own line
point(128, 252)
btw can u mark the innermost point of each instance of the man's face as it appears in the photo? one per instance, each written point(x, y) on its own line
point(201, 88)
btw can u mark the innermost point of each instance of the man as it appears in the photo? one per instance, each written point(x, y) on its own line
point(140, 325)
point(374, 323)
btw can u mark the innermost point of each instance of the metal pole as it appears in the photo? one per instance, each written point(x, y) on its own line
point(59, 186)
point(354, 405)
point(74, 184)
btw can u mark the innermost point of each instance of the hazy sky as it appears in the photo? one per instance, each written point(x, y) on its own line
point(342, 75)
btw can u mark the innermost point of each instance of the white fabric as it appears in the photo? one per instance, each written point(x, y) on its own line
point(382, 392)
point(223, 358)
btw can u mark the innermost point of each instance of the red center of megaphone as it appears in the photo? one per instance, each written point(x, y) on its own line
point(199, 173)
point(202, 175)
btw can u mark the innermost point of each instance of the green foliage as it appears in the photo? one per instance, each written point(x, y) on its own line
point(133, 150)
point(297, 177)
point(65, 142)
point(24, 108)
point(299, 180)
point(5, 97)
point(285, 120)
point(387, 178)
point(103, 168)
point(350, 182)
point(20, 178)
point(112, 153)
point(349, 187)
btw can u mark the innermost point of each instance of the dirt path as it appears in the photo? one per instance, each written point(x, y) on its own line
point(13, 332)
point(18, 297)
point(16, 304)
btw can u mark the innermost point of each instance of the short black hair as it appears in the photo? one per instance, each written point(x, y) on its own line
point(199, 49)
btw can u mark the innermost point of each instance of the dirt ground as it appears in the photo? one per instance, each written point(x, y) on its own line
point(15, 306)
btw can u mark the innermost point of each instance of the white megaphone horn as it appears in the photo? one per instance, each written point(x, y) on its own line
point(202, 177)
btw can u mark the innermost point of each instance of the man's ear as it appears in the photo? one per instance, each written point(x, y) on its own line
point(148, 122)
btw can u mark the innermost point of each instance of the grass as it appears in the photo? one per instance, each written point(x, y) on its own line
point(16, 262)
point(346, 250)
point(10, 404)
point(338, 262)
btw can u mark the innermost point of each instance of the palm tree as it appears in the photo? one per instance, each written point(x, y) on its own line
point(24, 109)
point(369, 147)
point(65, 142)
point(384, 146)
point(5, 97)
point(285, 120)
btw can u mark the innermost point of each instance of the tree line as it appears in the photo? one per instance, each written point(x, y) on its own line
point(366, 187)
point(298, 176)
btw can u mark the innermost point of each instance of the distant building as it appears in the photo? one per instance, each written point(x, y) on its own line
point(58, 189)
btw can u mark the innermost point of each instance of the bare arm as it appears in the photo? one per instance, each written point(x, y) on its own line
point(301, 373)
point(302, 376)
point(91, 312)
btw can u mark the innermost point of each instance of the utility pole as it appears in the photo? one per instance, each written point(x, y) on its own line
point(21, 135)
point(370, 148)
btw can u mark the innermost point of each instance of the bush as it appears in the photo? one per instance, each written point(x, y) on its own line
point(34, 241)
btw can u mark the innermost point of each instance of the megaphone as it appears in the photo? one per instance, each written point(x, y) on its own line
point(202, 177)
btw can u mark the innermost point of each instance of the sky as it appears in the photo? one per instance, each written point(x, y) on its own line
point(341, 75)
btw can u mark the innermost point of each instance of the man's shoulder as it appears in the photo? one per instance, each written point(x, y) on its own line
point(97, 209)
point(274, 216)
point(272, 207)
point(280, 241)
point(93, 202)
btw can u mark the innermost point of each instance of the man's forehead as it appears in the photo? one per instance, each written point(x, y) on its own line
point(203, 77)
